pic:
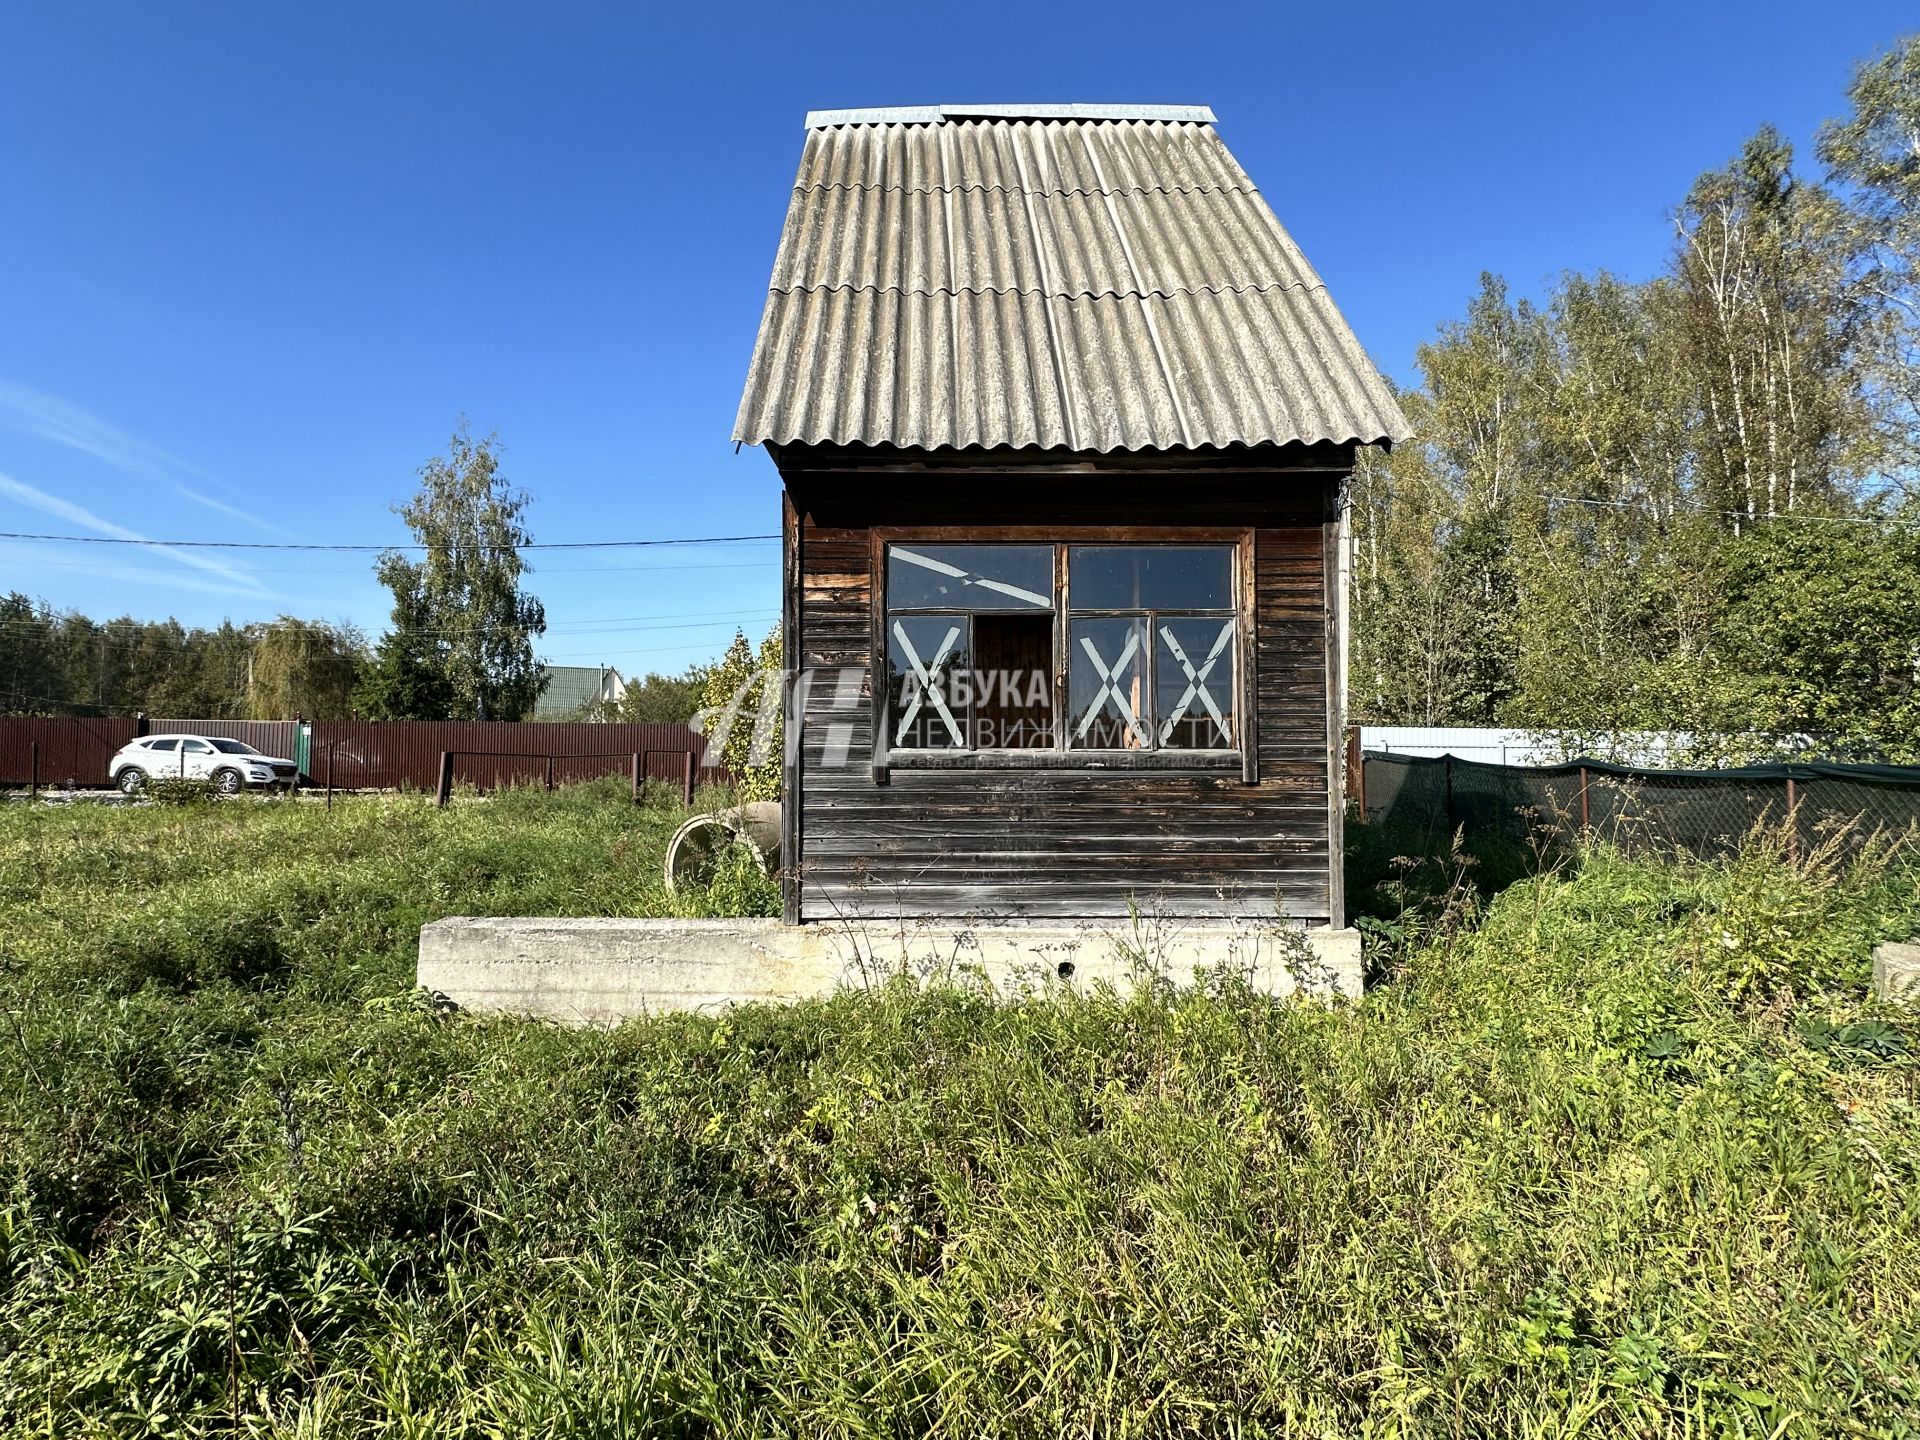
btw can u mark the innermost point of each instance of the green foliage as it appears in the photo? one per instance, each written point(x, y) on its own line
point(1572, 1171)
point(737, 883)
point(66, 664)
point(304, 668)
point(461, 643)
point(741, 713)
point(405, 679)
point(1827, 621)
point(1666, 505)
point(179, 790)
point(1871, 154)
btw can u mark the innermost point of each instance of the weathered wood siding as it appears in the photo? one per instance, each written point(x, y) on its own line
point(1057, 842)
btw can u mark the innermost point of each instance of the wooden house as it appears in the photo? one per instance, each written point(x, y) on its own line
point(1064, 421)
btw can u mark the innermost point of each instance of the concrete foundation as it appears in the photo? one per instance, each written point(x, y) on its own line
point(603, 971)
point(1896, 972)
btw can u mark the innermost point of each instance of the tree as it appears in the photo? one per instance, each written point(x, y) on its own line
point(1771, 318)
point(30, 681)
point(741, 714)
point(1823, 624)
point(463, 630)
point(406, 679)
point(305, 668)
point(1875, 154)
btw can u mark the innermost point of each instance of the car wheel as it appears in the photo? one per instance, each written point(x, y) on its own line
point(228, 782)
point(130, 780)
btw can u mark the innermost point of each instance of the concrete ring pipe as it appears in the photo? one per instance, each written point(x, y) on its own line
point(698, 843)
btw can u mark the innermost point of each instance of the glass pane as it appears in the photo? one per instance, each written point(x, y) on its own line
point(168, 745)
point(970, 577)
point(1150, 577)
point(1106, 669)
point(926, 657)
point(1193, 682)
point(1012, 682)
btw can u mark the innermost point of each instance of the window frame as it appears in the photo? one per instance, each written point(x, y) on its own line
point(1062, 755)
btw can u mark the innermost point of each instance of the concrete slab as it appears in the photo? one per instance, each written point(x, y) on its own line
point(1896, 972)
point(601, 971)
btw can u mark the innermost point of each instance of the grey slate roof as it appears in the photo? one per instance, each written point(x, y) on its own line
point(967, 277)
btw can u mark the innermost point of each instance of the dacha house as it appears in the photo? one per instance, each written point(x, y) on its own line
point(1064, 421)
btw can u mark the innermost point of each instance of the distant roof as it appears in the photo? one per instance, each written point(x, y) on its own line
point(571, 686)
point(1090, 277)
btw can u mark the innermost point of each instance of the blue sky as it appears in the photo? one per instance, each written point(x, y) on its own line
point(256, 260)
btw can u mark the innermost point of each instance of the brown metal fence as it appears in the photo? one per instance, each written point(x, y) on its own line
point(371, 755)
point(269, 737)
point(405, 754)
point(59, 751)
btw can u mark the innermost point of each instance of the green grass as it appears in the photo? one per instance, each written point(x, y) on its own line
point(1626, 1152)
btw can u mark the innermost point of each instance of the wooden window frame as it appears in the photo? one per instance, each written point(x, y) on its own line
point(1241, 758)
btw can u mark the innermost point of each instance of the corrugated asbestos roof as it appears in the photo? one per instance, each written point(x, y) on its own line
point(1023, 280)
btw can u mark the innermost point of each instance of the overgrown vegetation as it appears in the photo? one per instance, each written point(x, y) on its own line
point(1624, 1151)
point(1683, 503)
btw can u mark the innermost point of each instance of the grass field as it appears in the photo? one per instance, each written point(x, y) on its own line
point(1627, 1152)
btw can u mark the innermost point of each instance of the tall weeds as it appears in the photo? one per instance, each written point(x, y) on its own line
point(1597, 1161)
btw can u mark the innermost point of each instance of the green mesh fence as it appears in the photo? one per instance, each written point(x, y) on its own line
point(1420, 803)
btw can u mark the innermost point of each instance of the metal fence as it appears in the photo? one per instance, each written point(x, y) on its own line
point(405, 754)
point(371, 755)
point(1420, 803)
point(59, 751)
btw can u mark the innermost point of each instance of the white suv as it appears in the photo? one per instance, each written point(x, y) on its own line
point(229, 764)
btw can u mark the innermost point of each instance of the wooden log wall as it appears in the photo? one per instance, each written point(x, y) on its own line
point(1058, 843)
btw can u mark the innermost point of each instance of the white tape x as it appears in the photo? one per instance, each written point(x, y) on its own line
point(1197, 682)
point(967, 577)
point(1110, 688)
point(927, 689)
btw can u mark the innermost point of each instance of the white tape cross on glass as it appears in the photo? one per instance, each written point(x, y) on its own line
point(1110, 688)
point(1197, 682)
point(926, 690)
point(967, 577)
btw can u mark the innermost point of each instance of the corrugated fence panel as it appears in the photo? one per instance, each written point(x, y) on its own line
point(402, 754)
point(375, 755)
point(270, 737)
point(69, 749)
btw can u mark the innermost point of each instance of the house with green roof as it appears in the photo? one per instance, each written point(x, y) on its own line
point(571, 687)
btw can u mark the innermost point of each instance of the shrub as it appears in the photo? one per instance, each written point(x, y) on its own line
point(178, 790)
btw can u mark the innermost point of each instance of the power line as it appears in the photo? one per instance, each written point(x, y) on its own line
point(104, 634)
point(297, 545)
point(543, 571)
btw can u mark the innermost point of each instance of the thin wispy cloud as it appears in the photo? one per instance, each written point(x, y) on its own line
point(48, 417)
point(22, 560)
point(234, 511)
point(85, 519)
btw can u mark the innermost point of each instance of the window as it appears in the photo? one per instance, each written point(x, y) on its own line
point(234, 747)
point(167, 745)
point(1061, 647)
point(196, 747)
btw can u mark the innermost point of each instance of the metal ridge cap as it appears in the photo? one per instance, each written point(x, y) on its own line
point(1135, 292)
point(936, 114)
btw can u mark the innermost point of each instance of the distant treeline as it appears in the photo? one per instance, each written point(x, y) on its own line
point(54, 663)
point(63, 663)
point(1683, 504)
